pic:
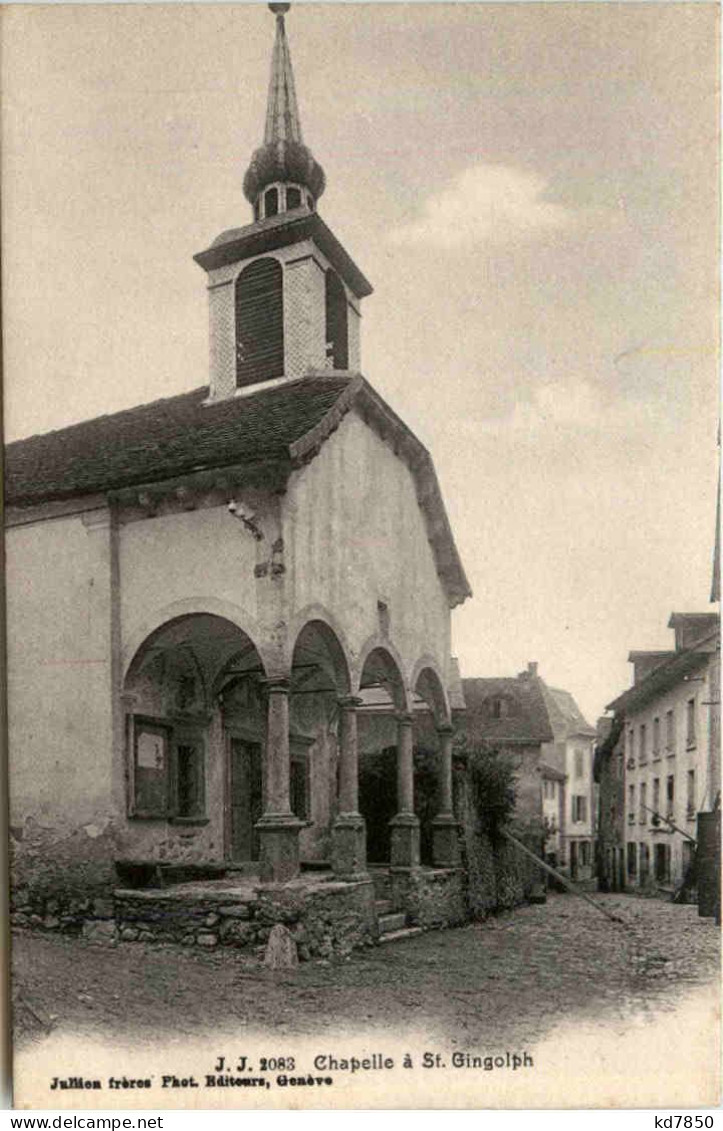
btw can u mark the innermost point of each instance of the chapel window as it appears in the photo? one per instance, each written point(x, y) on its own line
point(259, 322)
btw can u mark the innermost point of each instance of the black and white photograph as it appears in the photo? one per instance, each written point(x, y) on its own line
point(362, 450)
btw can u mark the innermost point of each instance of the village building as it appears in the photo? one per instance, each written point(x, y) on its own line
point(509, 715)
point(571, 753)
point(211, 596)
point(549, 744)
point(609, 775)
point(669, 729)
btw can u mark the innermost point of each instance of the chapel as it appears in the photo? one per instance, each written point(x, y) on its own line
point(225, 604)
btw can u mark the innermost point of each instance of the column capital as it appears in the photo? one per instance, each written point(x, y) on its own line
point(404, 718)
point(349, 702)
point(278, 685)
point(445, 728)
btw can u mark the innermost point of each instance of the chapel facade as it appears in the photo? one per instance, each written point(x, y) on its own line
point(216, 600)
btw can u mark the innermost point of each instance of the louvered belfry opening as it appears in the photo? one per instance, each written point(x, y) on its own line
point(259, 322)
point(337, 335)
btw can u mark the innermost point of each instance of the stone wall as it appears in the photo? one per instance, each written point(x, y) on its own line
point(325, 918)
point(431, 897)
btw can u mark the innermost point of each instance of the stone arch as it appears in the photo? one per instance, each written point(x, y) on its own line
point(427, 682)
point(384, 657)
point(331, 636)
point(191, 606)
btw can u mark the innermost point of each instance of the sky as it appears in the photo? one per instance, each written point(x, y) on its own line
point(532, 190)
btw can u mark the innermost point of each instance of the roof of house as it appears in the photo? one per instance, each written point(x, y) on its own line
point(525, 719)
point(665, 675)
point(184, 434)
point(566, 718)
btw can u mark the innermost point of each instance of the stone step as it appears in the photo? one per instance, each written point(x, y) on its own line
point(393, 921)
point(404, 933)
point(383, 906)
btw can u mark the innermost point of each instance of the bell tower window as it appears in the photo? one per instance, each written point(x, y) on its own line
point(293, 198)
point(259, 322)
point(337, 332)
point(271, 202)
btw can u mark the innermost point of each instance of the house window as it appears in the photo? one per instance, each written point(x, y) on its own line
point(631, 804)
point(259, 322)
point(690, 719)
point(690, 794)
point(631, 743)
point(167, 771)
point(644, 862)
point(670, 732)
point(670, 794)
point(579, 809)
point(643, 756)
point(150, 740)
point(632, 858)
point(643, 813)
point(656, 794)
point(585, 853)
point(656, 738)
point(578, 763)
point(337, 332)
point(662, 863)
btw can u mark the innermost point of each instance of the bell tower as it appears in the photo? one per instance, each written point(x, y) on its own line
point(284, 295)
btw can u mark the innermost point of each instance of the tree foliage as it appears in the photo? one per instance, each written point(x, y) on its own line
point(493, 785)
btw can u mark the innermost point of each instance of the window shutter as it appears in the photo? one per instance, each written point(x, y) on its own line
point(259, 323)
point(337, 332)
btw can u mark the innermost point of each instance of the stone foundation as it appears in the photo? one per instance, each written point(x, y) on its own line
point(431, 897)
point(325, 918)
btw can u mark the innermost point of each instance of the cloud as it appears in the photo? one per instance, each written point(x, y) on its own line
point(485, 204)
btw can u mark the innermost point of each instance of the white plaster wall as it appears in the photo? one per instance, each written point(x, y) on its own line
point(354, 534)
point(683, 758)
point(58, 622)
point(185, 556)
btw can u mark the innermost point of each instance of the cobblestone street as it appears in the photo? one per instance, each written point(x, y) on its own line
point(504, 981)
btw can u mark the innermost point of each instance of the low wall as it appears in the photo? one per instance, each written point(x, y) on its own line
point(431, 897)
point(325, 918)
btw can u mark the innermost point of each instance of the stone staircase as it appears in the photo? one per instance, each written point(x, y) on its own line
point(392, 922)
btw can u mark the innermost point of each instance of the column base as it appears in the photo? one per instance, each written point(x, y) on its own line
point(445, 841)
point(405, 840)
point(349, 846)
point(279, 848)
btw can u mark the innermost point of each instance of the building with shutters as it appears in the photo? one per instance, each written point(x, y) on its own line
point(202, 590)
point(668, 739)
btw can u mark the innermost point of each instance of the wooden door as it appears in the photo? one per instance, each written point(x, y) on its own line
point(245, 799)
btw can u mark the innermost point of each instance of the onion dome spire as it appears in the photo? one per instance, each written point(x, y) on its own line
point(283, 174)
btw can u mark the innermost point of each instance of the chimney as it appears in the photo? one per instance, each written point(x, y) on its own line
point(532, 667)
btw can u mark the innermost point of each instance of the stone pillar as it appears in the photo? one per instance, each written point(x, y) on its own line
point(278, 828)
point(445, 843)
point(348, 834)
point(405, 826)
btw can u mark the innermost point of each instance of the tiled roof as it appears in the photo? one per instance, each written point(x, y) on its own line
point(181, 435)
point(525, 719)
point(565, 716)
point(164, 439)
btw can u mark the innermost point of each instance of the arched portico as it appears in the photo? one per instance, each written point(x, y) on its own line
point(428, 686)
point(173, 698)
point(381, 674)
point(321, 694)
